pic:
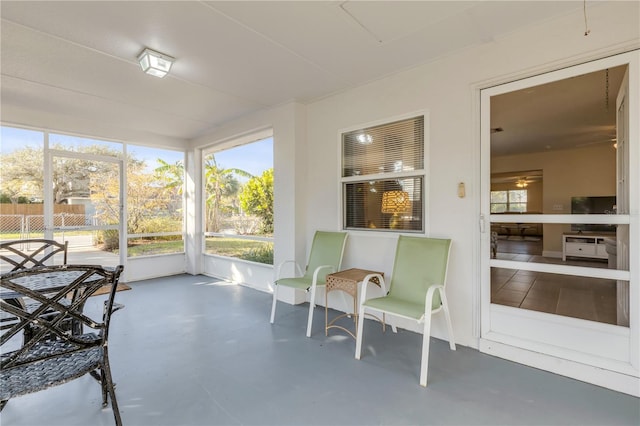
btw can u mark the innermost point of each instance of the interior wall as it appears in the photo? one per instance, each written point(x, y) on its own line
point(589, 171)
point(534, 194)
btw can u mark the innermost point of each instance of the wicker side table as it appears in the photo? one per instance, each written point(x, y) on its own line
point(346, 281)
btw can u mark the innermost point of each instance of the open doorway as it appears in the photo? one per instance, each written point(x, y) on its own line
point(563, 130)
point(552, 172)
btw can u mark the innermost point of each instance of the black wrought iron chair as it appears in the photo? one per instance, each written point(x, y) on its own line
point(31, 253)
point(55, 355)
point(18, 255)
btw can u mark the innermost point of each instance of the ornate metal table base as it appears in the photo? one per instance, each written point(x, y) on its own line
point(347, 281)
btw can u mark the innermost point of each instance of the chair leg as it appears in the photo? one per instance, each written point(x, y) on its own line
point(273, 305)
point(106, 374)
point(312, 305)
point(426, 339)
point(445, 308)
point(359, 332)
point(105, 389)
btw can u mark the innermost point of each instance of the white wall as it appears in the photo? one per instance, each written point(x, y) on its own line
point(448, 90)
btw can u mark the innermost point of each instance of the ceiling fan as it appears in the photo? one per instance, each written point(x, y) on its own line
point(523, 182)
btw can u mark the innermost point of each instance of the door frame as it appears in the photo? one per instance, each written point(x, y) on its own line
point(49, 227)
point(614, 374)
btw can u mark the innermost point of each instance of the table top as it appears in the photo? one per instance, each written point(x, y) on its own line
point(45, 281)
point(353, 275)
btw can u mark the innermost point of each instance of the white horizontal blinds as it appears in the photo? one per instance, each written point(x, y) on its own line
point(388, 148)
point(364, 204)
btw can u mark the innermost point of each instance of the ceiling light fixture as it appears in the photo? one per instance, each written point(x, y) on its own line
point(155, 63)
point(364, 139)
point(522, 183)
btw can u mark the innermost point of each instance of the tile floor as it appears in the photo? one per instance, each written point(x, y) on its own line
point(578, 297)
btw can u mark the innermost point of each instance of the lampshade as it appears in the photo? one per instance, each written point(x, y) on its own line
point(396, 202)
point(155, 63)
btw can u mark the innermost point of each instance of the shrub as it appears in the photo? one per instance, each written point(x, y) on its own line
point(109, 238)
point(262, 254)
point(157, 224)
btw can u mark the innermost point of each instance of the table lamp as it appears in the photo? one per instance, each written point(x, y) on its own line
point(395, 202)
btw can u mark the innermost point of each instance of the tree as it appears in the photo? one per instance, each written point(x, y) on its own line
point(172, 175)
point(150, 203)
point(221, 186)
point(257, 199)
point(22, 174)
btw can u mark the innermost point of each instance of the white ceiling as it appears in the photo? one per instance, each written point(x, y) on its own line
point(577, 112)
point(233, 58)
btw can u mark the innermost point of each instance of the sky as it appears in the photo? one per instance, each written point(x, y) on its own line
point(254, 158)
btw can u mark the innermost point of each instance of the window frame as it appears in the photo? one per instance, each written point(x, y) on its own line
point(226, 145)
point(417, 173)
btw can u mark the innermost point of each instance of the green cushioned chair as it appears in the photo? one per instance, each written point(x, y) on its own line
point(416, 290)
point(325, 257)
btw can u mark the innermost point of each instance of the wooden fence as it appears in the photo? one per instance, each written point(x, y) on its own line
point(27, 218)
point(38, 209)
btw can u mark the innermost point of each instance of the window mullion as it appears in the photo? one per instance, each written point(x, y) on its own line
point(378, 176)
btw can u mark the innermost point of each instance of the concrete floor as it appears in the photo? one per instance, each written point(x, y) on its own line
point(195, 351)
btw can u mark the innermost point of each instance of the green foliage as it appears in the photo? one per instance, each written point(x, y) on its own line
point(7, 199)
point(221, 187)
point(22, 174)
point(257, 198)
point(255, 251)
point(171, 175)
point(109, 238)
point(263, 254)
point(155, 245)
point(158, 224)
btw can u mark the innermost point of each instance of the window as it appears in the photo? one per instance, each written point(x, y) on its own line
point(155, 182)
point(21, 183)
point(238, 187)
point(509, 201)
point(383, 176)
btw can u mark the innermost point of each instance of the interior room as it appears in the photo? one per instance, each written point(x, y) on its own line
point(580, 126)
point(508, 129)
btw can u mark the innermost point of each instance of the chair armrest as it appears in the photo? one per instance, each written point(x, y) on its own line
point(366, 280)
point(317, 271)
point(278, 271)
point(428, 300)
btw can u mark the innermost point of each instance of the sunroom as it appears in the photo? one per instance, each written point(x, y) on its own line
point(510, 128)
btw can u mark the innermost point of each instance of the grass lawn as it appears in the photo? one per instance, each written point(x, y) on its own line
point(149, 247)
point(257, 251)
point(233, 247)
